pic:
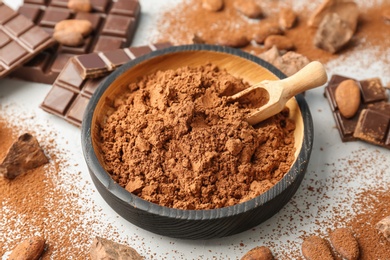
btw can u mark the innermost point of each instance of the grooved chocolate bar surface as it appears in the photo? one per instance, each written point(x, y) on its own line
point(20, 40)
point(373, 98)
point(71, 92)
point(114, 23)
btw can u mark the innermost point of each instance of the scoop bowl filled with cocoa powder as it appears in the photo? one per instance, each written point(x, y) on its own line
point(170, 154)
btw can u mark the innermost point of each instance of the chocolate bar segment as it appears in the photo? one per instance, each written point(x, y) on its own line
point(373, 127)
point(20, 40)
point(71, 91)
point(373, 97)
point(113, 21)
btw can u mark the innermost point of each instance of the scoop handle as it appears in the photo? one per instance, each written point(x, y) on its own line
point(311, 76)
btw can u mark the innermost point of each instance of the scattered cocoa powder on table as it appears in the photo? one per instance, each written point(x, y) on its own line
point(180, 23)
point(175, 141)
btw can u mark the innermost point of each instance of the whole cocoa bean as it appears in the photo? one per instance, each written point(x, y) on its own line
point(84, 27)
point(347, 96)
point(281, 42)
point(258, 253)
point(69, 38)
point(249, 8)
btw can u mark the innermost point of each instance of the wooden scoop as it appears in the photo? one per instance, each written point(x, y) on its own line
point(275, 94)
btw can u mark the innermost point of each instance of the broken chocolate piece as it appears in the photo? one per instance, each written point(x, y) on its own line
point(289, 63)
point(24, 155)
point(105, 249)
point(333, 33)
point(347, 11)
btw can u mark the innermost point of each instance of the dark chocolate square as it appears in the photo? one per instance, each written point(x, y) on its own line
point(70, 77)
point(60, 61)
point(32, 12)
point(117, 25)
point(12, 52)
point(6, 13)
point(53, 15)
point(117, 57)
point(76, 111)
point(4, 39)
point(18, 25)
point(126, 7)
point(373, 127)
point(59, 3)
point(58, 100)
point(34, 37)
point(91, 85)
point(139, 51)
point(100, 6)
point(106, 43)
point(372, 90)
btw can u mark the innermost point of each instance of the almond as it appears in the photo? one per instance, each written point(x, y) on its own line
point(287, 18)
point(233, 40)
point(264, 30)
point(84, 27)
point(347, 96)
point(249, 8)
point(258, 253)
point(80, 5)
point(316, 248)
point(69, 38)
point(281, 42)
point(30, 249)
point(345, 243)
point(212, 5)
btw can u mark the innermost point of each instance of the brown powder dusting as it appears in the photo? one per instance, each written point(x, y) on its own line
point(51, 201)
point(33, 204)
point(176, 142)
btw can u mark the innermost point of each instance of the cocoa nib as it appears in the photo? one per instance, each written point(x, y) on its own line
point(25, 154)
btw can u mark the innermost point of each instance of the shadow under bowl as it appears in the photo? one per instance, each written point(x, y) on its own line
point(193, 224)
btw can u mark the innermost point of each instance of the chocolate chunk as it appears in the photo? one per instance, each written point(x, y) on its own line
point(373, 127)
point(347, 11)
point(105, 249)
point(333, 33)
point(113, 27)
point(373, 97)
point(24, 155)
point(20, 40)
point(81, 76)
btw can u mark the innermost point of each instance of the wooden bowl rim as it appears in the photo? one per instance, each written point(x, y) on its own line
point(299, 166)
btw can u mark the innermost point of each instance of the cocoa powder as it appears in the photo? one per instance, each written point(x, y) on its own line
point(175, 141)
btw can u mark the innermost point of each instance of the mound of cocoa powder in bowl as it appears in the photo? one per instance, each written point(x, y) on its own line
point(174, 140)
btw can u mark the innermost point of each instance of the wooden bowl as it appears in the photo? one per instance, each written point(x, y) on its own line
point(193, 224)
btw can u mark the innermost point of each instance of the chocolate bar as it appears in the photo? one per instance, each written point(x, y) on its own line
point(71, 92)
point(113, 21)
point(20, 40)
point(373, 96)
